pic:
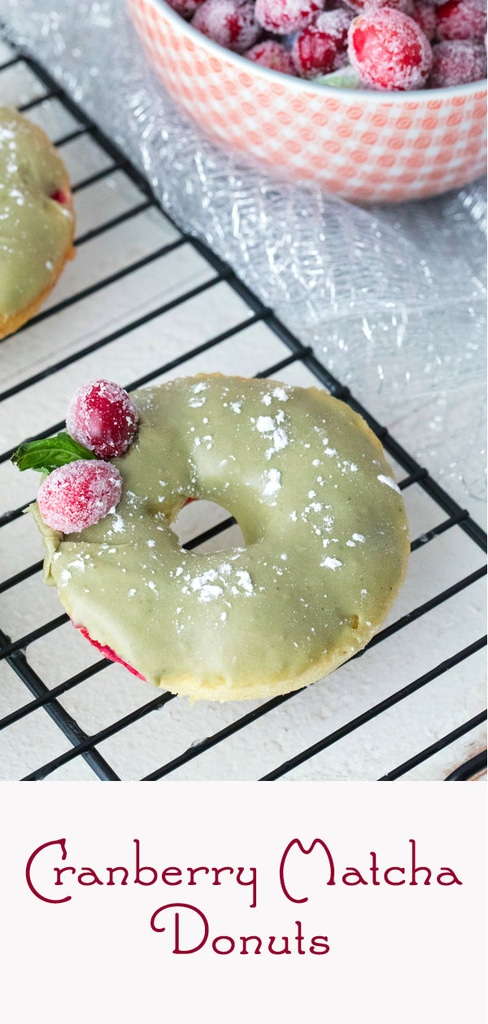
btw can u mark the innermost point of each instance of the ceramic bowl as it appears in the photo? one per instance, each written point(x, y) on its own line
point(362, 145)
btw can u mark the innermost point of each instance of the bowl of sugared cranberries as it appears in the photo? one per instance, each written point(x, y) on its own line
point(374, 100)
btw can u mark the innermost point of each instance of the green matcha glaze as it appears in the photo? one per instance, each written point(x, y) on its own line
point(324, 525)
point(36, 231)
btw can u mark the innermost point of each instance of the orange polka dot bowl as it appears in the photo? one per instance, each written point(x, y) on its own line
point(362, 145)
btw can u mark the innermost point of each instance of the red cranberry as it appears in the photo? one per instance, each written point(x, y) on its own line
point(322, 46)
point(231, 23)
point(79, 494)
point(102, 417)
point(389, 50)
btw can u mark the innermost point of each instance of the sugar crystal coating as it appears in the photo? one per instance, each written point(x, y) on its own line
point(185, 8)
point(322, 46)
point(455, 61)
point(389, 50)
point(79, 494)
point(102, 417)
point(425, 16)
point(358, 6)
point(285, 16)
point(231, 23)
point(271, 54)
point(461, 19)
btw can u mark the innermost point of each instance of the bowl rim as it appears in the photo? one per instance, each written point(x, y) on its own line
point(307, 85)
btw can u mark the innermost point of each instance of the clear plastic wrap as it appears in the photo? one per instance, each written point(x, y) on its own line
point(391, 297)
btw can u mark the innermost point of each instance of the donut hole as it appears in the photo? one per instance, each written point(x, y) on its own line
point(216, 525)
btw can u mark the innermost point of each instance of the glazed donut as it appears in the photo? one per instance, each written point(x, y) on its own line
point(36, 219)
point(324, 527)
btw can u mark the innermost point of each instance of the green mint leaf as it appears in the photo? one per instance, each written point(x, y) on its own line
point(50, 452)
point(344, 78)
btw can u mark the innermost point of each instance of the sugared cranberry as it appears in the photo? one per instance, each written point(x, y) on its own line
point(185, 8)
point(271, 54)
point(457, 61)
point(461, 19)
point(358, 6)
point(79, 494)
point(322, 46)
point(285, 16)
point(389, 50)
point(231, 23)
point(59, 196)
point(425, 16)
point(102, 417)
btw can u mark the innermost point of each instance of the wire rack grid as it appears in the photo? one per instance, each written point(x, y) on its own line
point(143, 302)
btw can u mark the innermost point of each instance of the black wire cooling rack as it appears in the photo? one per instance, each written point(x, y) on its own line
point(422, 711)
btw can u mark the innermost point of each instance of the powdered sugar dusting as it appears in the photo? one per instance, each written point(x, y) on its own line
point(244, 581)
point(272, 482)
point(389, 481)
point(265, 424)
point(216, 583)
point(331, 563)
point(117, 523)
point(270, 428)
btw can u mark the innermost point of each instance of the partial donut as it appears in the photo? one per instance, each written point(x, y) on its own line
point(324, 525)
point(36, 219)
